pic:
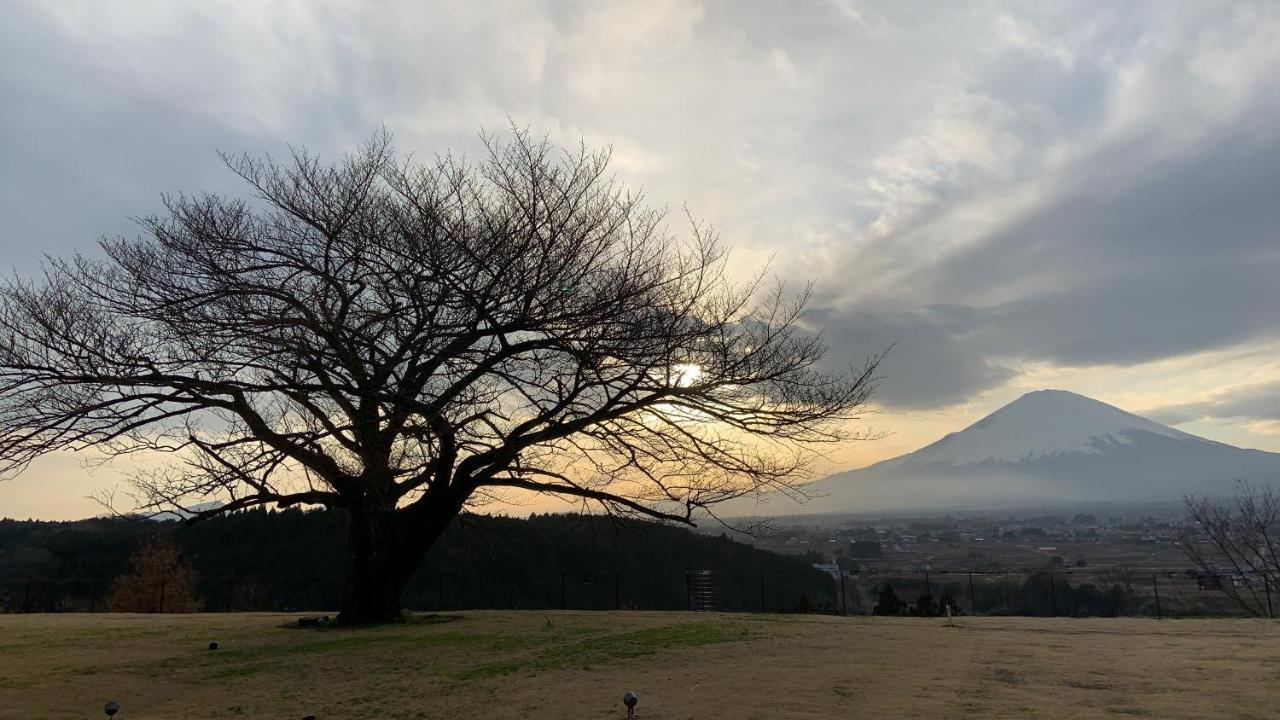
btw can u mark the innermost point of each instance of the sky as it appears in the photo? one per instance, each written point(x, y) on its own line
point(1013, 195)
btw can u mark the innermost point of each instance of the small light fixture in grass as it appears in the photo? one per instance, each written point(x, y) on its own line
point(111, 708)
point(630, 701)
point(213, 646)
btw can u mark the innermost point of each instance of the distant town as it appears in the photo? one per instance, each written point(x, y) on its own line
point(1139, 539)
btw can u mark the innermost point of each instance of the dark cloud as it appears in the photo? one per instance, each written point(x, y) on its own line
point(1259, 401)
point(930, 362)
point(1180, 257)
point(1133, 259)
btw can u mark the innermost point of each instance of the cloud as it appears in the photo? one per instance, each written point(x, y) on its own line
point(1177, 260)
point(1105, 198)
point(1008, 193)
point(1255, 403)
point(930, 361)
point(1085, 184)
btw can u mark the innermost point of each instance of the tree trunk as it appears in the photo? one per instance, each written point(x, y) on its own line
point(384, 550)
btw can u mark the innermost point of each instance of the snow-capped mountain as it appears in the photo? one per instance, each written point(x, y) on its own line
point(1043, 424)
point(1046, 446)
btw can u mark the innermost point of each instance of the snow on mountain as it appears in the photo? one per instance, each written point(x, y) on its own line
point(1040, 424)
point(1048, 446)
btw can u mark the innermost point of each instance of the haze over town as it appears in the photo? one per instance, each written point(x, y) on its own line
point(1013, 196)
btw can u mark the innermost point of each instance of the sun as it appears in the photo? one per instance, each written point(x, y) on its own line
point(685, 375)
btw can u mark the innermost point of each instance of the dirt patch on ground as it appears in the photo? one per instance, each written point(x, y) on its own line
point(682, 665)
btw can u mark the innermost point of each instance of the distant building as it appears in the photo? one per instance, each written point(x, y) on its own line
point(831, 569)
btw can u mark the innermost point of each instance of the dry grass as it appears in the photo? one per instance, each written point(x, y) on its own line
point(577, 665)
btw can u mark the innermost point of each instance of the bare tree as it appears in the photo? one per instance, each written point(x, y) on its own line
point(158, 581)
point(1234, 545)
point(404, 340)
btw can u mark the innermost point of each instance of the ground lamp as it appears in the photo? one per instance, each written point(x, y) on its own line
point(630, 701)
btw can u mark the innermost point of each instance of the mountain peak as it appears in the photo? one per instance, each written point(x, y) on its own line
point(1050, 394)
point(1048, 446)
point(1043, 423)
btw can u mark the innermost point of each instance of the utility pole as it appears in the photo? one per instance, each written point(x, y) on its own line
point(844, 605)
point(973, 605)
point(1053, 598)
point(1155, 585)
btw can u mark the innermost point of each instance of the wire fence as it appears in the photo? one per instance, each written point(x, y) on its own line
point(597, 590)
point(1064, 592)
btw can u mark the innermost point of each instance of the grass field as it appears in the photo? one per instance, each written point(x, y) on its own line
point(682, 665)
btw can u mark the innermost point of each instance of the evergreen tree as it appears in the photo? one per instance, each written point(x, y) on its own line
point(889, 602)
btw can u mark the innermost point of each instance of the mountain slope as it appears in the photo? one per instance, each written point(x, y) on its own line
point(1046, 446)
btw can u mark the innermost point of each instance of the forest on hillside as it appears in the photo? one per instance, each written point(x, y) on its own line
point(294, 560)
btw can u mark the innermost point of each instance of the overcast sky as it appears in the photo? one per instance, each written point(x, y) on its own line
point(1019, 195)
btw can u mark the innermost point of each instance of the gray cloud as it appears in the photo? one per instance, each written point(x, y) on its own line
point(1124, 222)
point(931, 360)
point(1260, 401)
point(1084, 184)
point(1181, 259)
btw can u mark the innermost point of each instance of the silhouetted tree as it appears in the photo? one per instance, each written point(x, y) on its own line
point(157, 581)
point(889, 603)
point(403, 340)
point(925, 607)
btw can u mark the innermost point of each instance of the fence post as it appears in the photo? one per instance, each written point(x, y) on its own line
point(1053, 598)
point(844, 605)
point(688, 590)
point(973, 605)
point(163, 582)
point(1155, 585)
point(763, 607)
point(617, 590)
point(1266, 585)
point(562, 603)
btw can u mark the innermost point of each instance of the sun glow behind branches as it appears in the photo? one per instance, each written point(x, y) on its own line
point(685, 375)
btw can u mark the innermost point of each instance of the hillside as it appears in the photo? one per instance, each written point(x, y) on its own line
point(260, 560)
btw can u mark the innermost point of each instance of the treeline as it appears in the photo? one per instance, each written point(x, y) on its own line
point(293, 560)
point(1041, 594)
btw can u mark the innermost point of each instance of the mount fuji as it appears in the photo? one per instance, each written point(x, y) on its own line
point(1046, 447)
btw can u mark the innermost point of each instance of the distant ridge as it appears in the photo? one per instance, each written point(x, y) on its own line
point(1047, 446)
